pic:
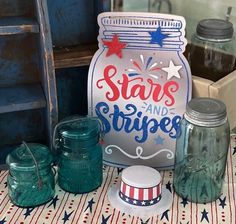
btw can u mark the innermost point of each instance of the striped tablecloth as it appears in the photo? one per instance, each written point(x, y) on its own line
point(95, 208)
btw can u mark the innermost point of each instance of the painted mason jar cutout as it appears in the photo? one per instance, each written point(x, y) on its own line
point(138, 85)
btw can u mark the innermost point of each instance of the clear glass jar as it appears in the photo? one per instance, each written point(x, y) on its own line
point(31, 178)
point(80, 155)
point(201, 151)
point(212, 51)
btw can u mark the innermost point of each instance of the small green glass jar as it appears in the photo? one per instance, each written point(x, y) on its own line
point(80, 155)
point(31, 178)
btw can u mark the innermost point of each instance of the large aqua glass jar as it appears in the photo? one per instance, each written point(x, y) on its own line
point(80, 155)
point(31, 178)
point(201, 151)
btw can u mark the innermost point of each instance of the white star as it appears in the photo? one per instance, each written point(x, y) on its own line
point(172, 70)
point(151, 202)
point(143, 202)
point(126, 199)
point(134, 202)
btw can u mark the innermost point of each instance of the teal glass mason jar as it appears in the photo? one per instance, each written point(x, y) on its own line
point(79, 154)
point(31, 179)
point(201, 151)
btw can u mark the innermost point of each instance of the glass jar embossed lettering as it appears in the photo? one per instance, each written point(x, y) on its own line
point(31, 178)
point(201, 151)
point(80, 154)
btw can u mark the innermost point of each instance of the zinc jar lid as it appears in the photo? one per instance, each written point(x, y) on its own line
point(83, 129)
point(217, 29)
point(22, 160)
point(206, 112)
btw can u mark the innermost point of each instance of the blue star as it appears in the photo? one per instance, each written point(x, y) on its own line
point(222, 202)
point(168, 186)
point(54, 202)
point(165, 214)
point(104, 220)
point(90, 205)
point(204, 190)
point(28, 212)
point(184, 202)
point(159, 140)
point(119, 170)
point(204, 215)
point(145, 222)
point(157, 36)
point(67, 216)
point(3, 221)
point(234, 150)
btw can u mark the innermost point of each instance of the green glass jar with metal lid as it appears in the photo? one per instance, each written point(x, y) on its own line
point(212, 51)
point(79, 154)
point(31, 179)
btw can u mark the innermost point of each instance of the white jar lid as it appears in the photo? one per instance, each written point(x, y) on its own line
point(141, 176)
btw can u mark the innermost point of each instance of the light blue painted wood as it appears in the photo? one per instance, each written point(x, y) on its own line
point(17, 25)
point(22, 97)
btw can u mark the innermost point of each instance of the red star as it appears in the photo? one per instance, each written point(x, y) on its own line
point(114, 46)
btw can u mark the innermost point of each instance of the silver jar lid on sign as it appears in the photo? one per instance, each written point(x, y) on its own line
point(206, 112)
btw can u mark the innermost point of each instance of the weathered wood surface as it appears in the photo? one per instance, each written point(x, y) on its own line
point(47, 68)
point(19, 62)
point(17, 25)
point(74, 22)
point(17, 8)
point(26, 125)
point(21, 97)
point(75, 56)
point(72, 91)
point(28, 100)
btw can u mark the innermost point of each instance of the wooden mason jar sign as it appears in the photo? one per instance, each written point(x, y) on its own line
point(138, 85)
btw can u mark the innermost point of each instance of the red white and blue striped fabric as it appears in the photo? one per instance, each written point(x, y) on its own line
point(140, 196)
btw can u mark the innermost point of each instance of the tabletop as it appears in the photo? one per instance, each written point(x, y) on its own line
point(94, 207)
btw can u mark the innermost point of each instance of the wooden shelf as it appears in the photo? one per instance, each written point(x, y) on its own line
point(17, 25)
point(23, 97)
point(75, 56)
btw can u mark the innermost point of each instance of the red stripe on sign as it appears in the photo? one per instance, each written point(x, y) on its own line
point(131, 192)
point(150, 193)
point(140, 194)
